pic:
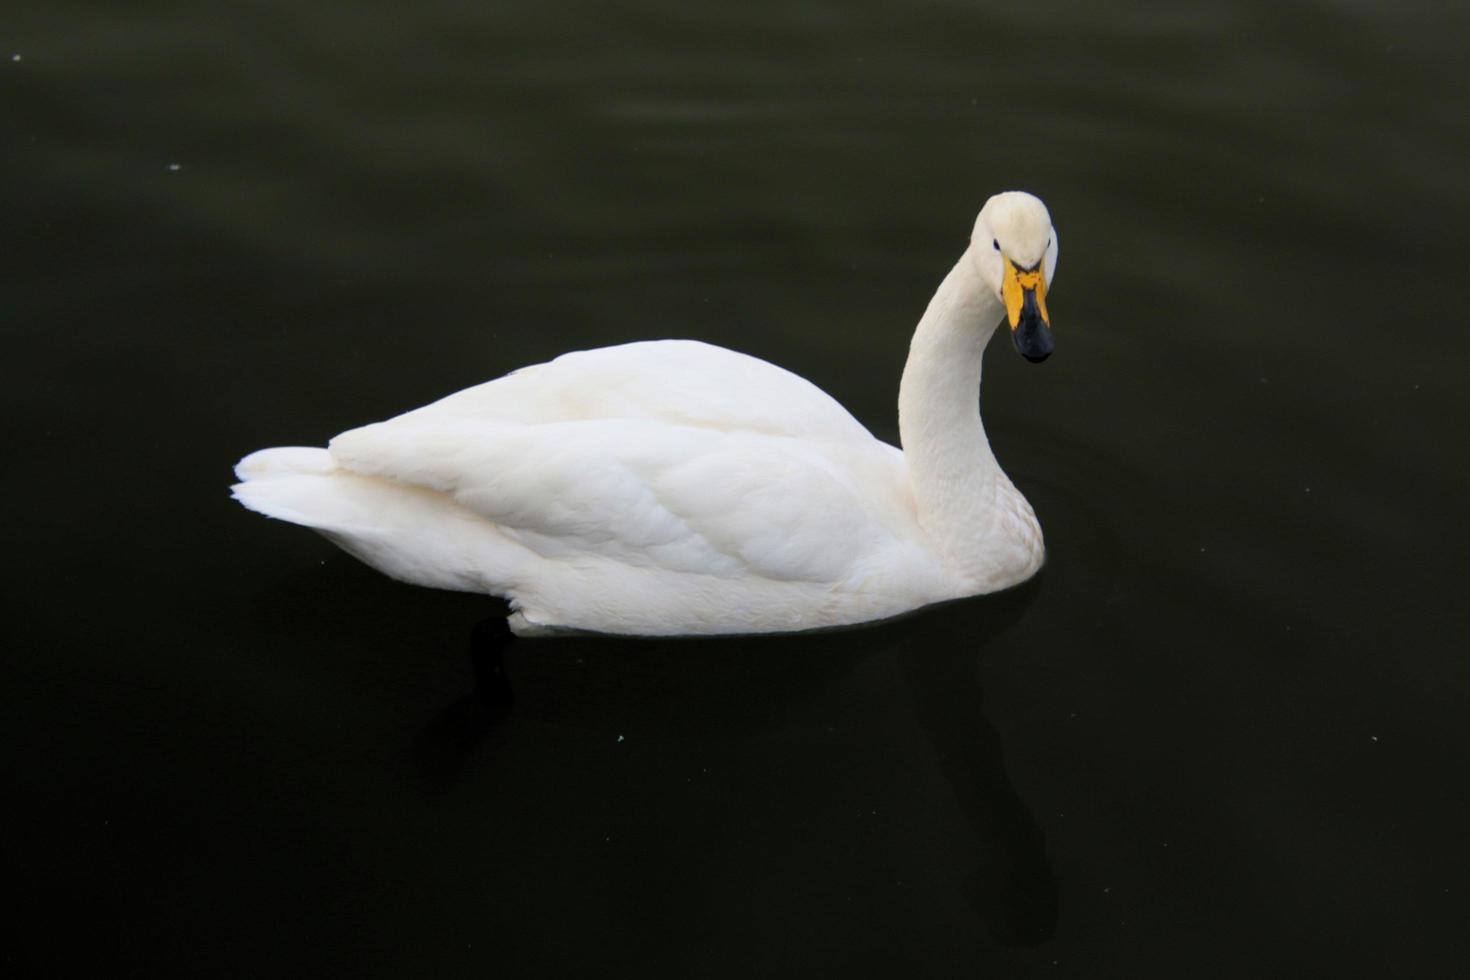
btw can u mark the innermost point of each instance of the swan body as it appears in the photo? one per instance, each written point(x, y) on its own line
point(674, 487)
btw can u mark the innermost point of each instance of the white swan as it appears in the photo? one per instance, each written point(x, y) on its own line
point(673, 487)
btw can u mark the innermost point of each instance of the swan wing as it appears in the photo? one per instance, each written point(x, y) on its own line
point(644, 492)
point(679, 382)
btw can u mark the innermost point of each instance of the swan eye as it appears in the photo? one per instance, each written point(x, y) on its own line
point(996, 244)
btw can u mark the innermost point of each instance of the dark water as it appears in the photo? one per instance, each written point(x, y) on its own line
point(1224, 734)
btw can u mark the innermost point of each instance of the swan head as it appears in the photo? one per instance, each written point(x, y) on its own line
point(1015, 247)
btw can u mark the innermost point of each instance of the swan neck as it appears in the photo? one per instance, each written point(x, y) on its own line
point(962, 497)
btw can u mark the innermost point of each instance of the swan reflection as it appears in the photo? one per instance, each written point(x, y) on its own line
point(801, 704)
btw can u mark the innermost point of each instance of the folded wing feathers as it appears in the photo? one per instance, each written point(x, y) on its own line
point(633, 491)
point(671, 454)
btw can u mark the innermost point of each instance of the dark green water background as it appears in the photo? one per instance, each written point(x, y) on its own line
point(1224, 734)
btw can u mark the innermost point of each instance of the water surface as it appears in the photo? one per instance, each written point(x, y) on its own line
point(1222, 734)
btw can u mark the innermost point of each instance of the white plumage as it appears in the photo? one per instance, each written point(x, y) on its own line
point(674, 487)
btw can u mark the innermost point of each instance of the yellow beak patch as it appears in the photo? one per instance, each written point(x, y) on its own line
point(1014, 288)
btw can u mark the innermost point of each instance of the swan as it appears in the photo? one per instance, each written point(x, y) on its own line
point(673, 487)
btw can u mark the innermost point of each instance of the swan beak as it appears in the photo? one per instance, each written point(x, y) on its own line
point(1024, 292)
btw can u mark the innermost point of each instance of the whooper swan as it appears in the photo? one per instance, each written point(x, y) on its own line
point(673, 487)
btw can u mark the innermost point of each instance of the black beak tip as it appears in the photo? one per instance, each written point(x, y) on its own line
point(1032, 335)
point(1032, 339)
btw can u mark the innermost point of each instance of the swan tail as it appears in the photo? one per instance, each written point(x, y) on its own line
point(285, 460)
point(300, 484)
point(412, 534)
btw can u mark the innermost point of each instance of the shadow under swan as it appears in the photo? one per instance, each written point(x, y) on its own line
point(728, 687)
